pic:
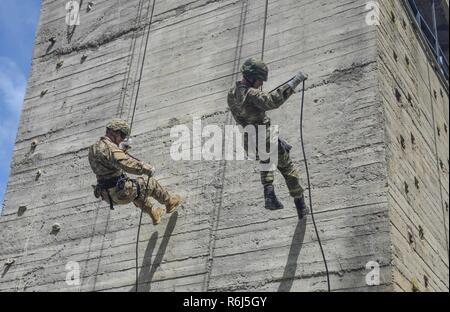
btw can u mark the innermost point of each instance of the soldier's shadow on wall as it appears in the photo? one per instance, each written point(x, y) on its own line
point(294, 253)
point(149, 267)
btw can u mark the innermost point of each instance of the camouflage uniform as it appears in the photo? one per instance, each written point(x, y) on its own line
point(249, 106)
point(109, 162)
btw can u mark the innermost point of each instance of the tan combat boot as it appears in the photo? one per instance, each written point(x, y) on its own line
point(156, 214)
point(172, 204)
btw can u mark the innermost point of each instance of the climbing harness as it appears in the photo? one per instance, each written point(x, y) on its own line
point(103, 185)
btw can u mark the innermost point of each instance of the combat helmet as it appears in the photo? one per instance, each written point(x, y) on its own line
point(254, 69)
point(119, 125)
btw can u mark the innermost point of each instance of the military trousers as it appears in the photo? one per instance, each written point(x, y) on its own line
point(135, 192)
point(285, 165)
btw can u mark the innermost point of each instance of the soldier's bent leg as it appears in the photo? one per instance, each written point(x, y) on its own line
point(155, 190)
point(146, 205)
point(159, 193)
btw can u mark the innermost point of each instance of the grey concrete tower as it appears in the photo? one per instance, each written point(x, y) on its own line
point(376, 136)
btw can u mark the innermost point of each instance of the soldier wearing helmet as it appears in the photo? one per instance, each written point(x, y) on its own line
point(248, 105)
point(110, 163)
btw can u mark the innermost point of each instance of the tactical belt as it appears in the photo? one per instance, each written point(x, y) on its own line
point(119, 182)
point(105, 184)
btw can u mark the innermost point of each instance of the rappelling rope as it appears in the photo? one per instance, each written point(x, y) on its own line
point(142, 65)
point(303, 149)
point(309, 186)
point(266, 11)
point(122, 101)
point(131, 127)
point(302, 144)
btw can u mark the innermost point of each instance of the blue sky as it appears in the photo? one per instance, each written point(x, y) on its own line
point(18, 22)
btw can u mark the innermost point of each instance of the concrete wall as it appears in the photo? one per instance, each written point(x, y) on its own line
point(222, 238)
point(416, 107)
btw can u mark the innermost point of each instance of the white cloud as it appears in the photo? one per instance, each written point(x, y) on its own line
point(18, 19)
point(12, 91)
point(8, 131)
point(12, 87)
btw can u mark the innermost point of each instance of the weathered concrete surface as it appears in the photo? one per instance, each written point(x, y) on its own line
point(416, 107)
point(222, 238)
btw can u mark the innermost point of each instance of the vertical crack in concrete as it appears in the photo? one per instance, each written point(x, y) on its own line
point(130, 60)
point(142, 47)
point(215, 218)
point(83, 274)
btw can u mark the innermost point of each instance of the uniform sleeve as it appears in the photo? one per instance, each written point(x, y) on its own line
point(126, 163)
point(268, 101)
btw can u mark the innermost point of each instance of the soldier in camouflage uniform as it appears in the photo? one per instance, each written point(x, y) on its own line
point(249, 105)
point(110, 162)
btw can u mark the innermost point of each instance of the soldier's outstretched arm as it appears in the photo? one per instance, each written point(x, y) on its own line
point(269, 101)
point(130, 164)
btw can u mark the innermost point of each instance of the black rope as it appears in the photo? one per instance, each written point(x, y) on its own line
point(120, 107)
point(131, 126)
point(139, 57)
point(309, 186)
point(138, 234)
point(264, 30)
point(137, 252)
point(302, 144)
